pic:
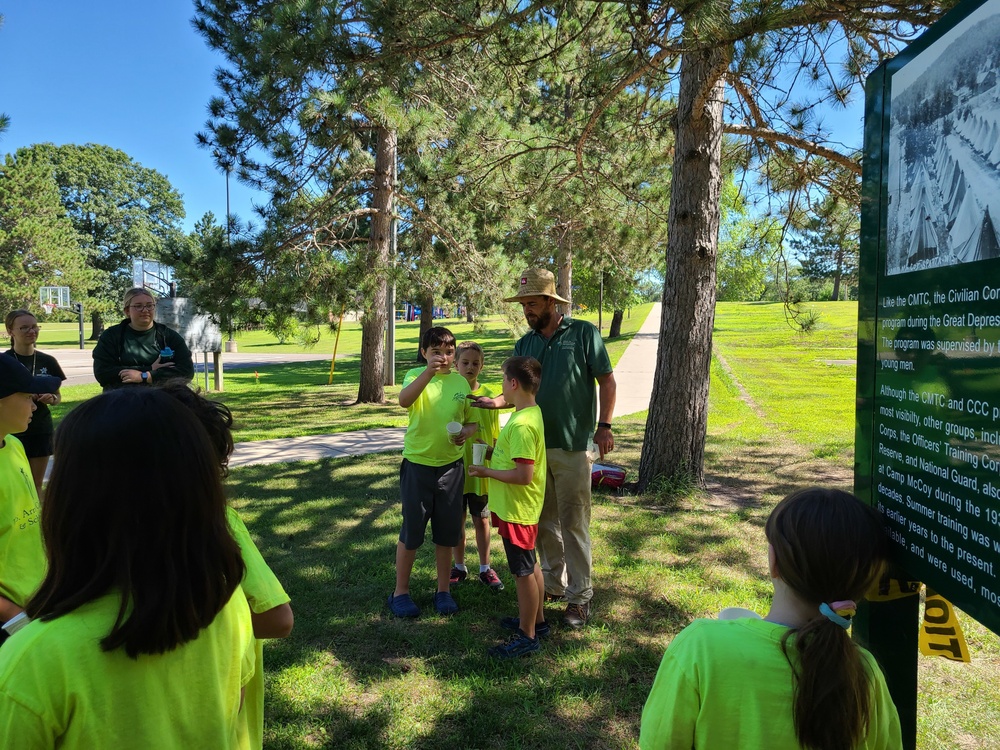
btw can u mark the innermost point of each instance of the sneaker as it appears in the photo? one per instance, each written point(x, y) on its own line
point(444, 603)
point(542, 629)
point(457, 575)
point(554, 597)
point(576, 615)
point(403, 606)
point(491, 579)
point(518, 645)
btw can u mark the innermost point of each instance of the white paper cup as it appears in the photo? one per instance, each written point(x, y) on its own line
point(454, 428)
point(479, 454)
point(593, 452)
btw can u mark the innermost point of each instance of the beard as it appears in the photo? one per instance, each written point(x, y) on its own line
point(541, 321)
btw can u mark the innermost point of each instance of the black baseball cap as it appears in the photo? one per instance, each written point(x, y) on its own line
point(15, 378)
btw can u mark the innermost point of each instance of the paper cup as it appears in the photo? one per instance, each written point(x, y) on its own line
point(479, 454)
point(454, 428)
point(593, 452)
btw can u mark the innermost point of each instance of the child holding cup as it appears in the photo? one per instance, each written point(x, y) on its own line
point(518, 489)
point(469, 359)
point(432, 474)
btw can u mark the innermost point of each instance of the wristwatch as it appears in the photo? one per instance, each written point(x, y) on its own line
point(145, 378)
point(604, 424)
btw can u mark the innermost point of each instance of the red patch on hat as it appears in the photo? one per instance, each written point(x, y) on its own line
point(524, 280)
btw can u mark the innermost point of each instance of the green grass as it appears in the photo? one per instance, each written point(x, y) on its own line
point(299, 401)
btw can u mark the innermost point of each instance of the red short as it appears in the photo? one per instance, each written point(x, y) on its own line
point(519, 534)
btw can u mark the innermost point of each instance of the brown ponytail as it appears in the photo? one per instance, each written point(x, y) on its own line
point(828, 546)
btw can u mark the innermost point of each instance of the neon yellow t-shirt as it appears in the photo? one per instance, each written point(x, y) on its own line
point(264, 592)
point(22, 557)
point(59, 689)
point(443, 400)
point(727, 684)
point(522, 437)
point(489, 428)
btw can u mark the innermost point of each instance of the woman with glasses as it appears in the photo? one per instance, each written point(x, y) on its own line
point(22, 327)
point(139, 351)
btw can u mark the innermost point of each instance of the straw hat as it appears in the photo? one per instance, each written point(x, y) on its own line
point(537, 282)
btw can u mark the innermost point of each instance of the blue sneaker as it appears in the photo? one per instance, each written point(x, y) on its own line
point(403, 606)
point(542, 629)
point(444, 603)
point(518, 645)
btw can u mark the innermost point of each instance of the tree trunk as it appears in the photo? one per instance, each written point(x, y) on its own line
point(96, 326)
point(564, 274)
point(469, 317)
point(674, 443)
point(616, 324)
point(371, 388)
point(426, 322)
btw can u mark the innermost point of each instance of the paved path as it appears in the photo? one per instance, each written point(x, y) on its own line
point(634, 371)
point(78, 364)
point(315, 447)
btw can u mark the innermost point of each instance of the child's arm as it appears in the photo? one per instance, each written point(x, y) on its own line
point(522, 473)
point(412, 390)
point(468, 430)
point(8, 609)
point(485, 402)
point(276, 622)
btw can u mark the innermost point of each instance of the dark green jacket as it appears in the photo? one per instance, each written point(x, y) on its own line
point(123, 348)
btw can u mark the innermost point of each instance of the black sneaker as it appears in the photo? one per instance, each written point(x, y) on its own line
point(457, 575)
point(542, 629)
point(491, 579)
point(444, 603)
point(403, 606)
point(518, 645)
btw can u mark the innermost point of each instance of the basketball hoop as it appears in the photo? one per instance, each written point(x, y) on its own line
point(48, 308)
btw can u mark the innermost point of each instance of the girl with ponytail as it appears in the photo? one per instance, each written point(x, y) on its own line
point(793, 680)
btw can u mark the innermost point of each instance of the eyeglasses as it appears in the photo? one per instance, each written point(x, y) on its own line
point(28, 329)
point(143, 308)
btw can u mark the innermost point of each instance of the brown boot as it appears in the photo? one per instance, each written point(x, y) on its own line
point(576, 615)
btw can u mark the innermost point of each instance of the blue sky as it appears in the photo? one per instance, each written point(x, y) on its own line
point(135, 75)
point(130, 74)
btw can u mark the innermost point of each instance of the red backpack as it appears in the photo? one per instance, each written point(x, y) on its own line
point(607, 475)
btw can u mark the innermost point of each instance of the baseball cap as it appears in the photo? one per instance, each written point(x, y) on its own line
point(15, 378)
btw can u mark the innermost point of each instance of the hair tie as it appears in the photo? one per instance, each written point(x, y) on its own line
point(839, 612)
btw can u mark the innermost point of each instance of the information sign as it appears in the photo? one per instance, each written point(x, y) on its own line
point(929, 391)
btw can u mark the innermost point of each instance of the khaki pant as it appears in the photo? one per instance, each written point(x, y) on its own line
point(564, 527)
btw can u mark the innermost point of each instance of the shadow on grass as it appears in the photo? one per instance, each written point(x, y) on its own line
point(353, 676)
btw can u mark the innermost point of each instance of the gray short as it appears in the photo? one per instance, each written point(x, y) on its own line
point(478, 505)
point(431, 493)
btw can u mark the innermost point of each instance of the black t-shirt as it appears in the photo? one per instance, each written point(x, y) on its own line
point(39, 363)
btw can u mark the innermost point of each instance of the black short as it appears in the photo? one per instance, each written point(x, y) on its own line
point(37, 446)
point(520, 561)
point(478, 505)
point(431, 493)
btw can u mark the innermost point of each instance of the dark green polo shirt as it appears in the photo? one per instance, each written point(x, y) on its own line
point(571, 360)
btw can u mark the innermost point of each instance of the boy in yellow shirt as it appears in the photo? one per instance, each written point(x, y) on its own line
point(432, 474)
point(469, 361)
point(517, 492)
point(22, 558)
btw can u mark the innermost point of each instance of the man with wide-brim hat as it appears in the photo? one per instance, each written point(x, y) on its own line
point(22, 558)
point(576, 378)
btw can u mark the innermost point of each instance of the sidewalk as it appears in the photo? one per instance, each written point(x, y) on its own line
point(633, 375)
